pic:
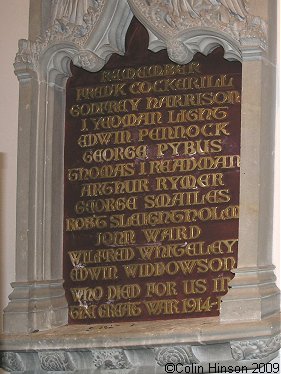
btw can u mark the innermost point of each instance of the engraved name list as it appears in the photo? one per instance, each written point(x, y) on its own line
point(151, 188)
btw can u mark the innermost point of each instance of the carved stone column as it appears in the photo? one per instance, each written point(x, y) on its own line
point(37, 301)
point(42, 67)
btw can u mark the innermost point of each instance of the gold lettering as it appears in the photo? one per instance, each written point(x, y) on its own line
point(189, 181)
point(86, 223)
point(114, 187)
point(149, 71)
point(99, 256)
point(183, 132)
point(125, 121)
point(162, 307)
point(197, 115)
point(88, 93)
point(194, 99)
point(186, 83)
point(106, 205)
point(153, 218)
point(194, 286)
point(221, 284)
point(82, 312)
point(86, 294)
point(183, 165)
point(116, 238)
point(115, 154)
point(105, 107)
point(101, 172)
point(126, 291)
point(119, 310)
point(198, 305)
point(191, 249)
point(152, 169)
point(172, 233)
point(104, 138)
point(161, 289)
point(81, 274)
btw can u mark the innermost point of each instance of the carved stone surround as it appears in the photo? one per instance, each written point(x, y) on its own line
point(133, 360)
point(182, 30)
point(186, 27)
point(37, 302)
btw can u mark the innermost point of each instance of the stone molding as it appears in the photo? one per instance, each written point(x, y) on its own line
point(253, 286)
point(45, 299)
point(11, 361)
point(175, 354)
point(119, 360)
point(255, 349)
point(56, 361)
point(110, 359)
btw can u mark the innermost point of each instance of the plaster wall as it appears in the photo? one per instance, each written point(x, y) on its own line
point(13, 26)
point(277, 197)
point(14, 16)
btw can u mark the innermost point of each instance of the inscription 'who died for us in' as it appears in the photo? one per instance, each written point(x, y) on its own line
point(151, 187)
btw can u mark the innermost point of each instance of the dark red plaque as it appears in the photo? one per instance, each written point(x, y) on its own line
point(151, 185)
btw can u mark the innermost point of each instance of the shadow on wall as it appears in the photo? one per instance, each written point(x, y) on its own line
point(2, 281)
point(2, 161)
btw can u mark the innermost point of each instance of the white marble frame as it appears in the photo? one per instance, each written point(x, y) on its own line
point(42, 67)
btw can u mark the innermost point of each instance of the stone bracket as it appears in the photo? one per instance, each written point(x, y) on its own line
point(132, 360)
point(142, 347)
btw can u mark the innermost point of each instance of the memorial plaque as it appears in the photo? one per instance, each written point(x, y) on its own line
point(155, 214)
point(151, 185)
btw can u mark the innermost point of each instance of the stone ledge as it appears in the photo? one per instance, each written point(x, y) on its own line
point(142, 347)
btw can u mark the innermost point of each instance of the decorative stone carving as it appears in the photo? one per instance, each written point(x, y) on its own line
point(68, 23)
point(255, 349)
point(110, 359)
point(235, 7)
point(28, 53)
point(56, 361)
point(117, 360)
point(70, 28)
point(175, 355)
point(11, 361)
point(169, 21)
point(88, 61)
point(73, 20)
point(193, 8)
point(178, 51)
point(72, 11)
point(166, 20)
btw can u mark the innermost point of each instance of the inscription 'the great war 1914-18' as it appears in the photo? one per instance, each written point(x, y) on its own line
point(151, 187)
